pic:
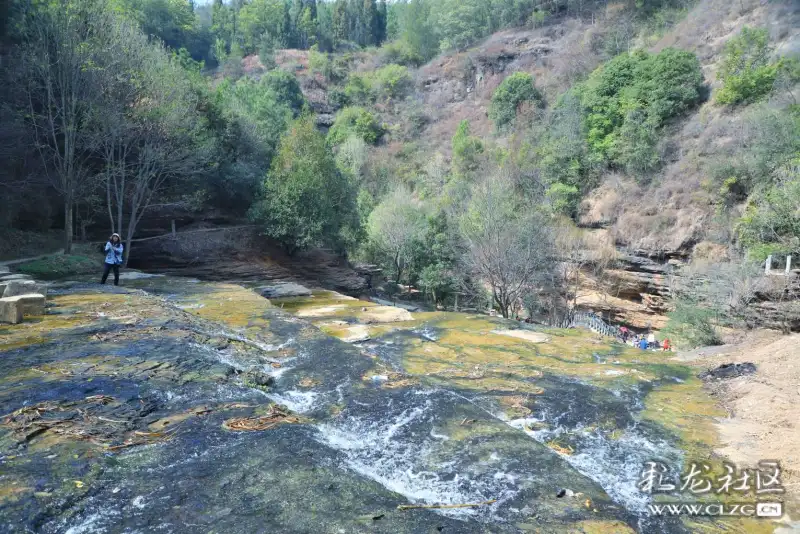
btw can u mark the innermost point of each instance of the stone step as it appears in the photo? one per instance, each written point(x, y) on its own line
point(13, 309)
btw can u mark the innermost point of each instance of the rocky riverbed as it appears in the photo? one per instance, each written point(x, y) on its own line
point(174, 405)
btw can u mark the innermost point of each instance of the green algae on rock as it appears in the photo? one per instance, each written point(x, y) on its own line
point(439, 409)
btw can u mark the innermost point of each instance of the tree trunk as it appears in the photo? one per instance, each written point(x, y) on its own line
point(108, 204)
point(126, 254)
point(67, 227)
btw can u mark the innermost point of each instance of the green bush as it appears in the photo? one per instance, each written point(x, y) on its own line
point(401, 53)
point(386, 83)
point(357, 121)
point(358, 89)
point(286, 88)
point(691, 326)
point(746, 72)
point(391, 82)
point(467, 149)
point(563, 198)
point(771, 223)
point(508, 96)
point(646, 88)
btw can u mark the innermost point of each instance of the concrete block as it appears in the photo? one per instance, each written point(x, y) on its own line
point(24, 287)
point(9, 277)
point(30, 304)
point(10, 312)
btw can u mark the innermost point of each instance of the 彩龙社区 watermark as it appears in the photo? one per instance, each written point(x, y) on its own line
point(727, 482)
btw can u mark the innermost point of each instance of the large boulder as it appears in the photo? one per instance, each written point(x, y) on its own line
point(23, 287)
point(282, 290)
point(12, 309)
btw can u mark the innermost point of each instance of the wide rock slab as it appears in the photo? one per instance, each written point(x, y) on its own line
point(283, 290)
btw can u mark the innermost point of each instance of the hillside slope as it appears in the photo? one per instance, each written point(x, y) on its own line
point(655, 225)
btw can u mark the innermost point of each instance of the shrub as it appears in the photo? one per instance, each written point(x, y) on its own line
point(563, 198)
point(508, 96)
point(401, 53)
point(357, 121)
point(391, 82)
point(646, 88)
point(358, 89)
point(467, 149)
point(771, 223)
point(691, 326)
point(746, 71)
point(286, 88)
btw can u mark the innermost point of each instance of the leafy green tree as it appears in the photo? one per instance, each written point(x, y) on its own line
point(635, 146)
point(562, 153)
point(509, 95)
point(286, 89)
point(306, 201)
point(746, 71)
point(691, 325)
point(461, 22)
point(262, 19)
point(467, 150)
point(356, 121)
point(434, 265)
point(394, 227)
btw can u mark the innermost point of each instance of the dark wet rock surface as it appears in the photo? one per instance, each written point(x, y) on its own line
point(118, 400)
point(728, 370)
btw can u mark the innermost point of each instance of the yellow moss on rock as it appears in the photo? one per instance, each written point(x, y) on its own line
point(688, 411)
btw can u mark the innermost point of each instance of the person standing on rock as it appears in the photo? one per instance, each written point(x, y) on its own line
point(113, 250)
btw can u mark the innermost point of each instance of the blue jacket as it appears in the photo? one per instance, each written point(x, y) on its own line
point(643, 344)
point(113, 254)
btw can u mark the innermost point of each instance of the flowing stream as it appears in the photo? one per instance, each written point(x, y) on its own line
point(122, 402)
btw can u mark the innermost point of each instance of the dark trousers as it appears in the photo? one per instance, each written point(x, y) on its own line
point(106, 269)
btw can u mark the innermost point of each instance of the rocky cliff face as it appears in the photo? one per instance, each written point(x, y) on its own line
point(241, 254)
point(634, 291)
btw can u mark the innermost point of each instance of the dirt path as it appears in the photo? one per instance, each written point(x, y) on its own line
point(763, 421)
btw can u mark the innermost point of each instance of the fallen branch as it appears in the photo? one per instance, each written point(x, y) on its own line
point(438, 506)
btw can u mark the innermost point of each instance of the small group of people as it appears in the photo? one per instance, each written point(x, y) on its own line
point(648, 342)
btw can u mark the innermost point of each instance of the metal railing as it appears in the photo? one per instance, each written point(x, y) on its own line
point(593, 322)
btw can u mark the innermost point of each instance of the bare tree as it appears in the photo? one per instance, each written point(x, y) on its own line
point(509, 243)
point(149, 135)
point(395, 225)
point(59, 73)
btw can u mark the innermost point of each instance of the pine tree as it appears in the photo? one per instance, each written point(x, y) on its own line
point(339, 24)
point(382, 20)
